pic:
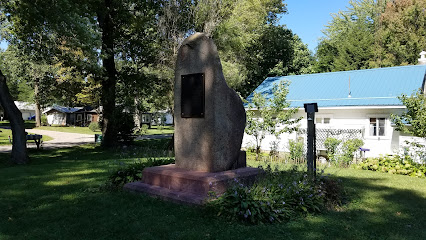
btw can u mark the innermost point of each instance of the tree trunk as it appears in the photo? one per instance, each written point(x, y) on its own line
point(109, 80)
point(19, 146)
point(37, 103)
point(137, 115)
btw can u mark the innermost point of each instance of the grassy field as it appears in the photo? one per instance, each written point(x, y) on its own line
point(85, 130)
point(82, 130)
point(27, 124)
point(56, 197)
point(5, 133)
point(155, 130)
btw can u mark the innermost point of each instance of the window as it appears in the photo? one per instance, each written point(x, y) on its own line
point(89, 117)
point(322, 120)
point(146, 118)
point(326, 120)
point(79, 117)
point(377, 126)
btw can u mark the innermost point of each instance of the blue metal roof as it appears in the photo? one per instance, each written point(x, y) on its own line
point(65, 109)
point(370, 87)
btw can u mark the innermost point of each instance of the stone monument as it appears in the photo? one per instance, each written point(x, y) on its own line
point(209, 116)
point(209, 127)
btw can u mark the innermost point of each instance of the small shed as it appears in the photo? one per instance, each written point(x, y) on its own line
point(59, 115)
point(85, 116)
point(75, 116)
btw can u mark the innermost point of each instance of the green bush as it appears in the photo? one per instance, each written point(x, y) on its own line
point(274, 145)
point(402, 165)
point(296, 149)
point(331, 145)
point(133, 172)
point(349, 148)
point(43, 119)
point(250, 148)
point(94, 126)
point(144, 129)
point(277, 196)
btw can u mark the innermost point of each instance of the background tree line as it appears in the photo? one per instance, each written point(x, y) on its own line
point(372, 34)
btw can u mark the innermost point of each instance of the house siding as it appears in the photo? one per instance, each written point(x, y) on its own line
point(355, 118)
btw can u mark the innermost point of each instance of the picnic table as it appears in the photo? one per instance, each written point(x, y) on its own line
point(36, 138)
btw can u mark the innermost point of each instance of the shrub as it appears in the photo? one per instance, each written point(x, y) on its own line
point(415, 151)
point(296, 149)
point(349, 148)
point(144, 129)
point(274, 149)
point(250, 147)
point(331, 145)
point(133, 172)
point(402, 165)
point(94, 126)
point(277, 196)
point(43, 119)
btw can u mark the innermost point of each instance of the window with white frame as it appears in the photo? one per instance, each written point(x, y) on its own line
point(79, 117)
point(377, 127)
point(89, 117)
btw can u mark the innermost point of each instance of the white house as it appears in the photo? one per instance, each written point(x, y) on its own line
point(27, 109)
point(351, 104)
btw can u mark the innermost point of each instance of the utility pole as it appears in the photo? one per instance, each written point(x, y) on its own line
point(311, 109)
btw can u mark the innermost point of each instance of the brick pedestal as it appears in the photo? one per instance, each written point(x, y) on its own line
point(186, 186)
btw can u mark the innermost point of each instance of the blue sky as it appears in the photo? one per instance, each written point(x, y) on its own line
point(307, 18)
point(3, 45)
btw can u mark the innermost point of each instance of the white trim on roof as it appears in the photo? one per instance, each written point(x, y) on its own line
point(349, 107)
point(364, 107)
point(336, 99)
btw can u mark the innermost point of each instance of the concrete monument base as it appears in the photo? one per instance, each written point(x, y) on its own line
point(186, 186)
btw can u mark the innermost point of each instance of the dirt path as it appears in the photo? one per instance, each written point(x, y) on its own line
point(60, 140)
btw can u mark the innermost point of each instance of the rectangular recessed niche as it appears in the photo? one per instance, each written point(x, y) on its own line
point(192, 99)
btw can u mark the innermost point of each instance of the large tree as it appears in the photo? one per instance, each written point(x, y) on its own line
point(279, 52)
point(401, 33)
point(240, 29)
point(373, 33)
point(103, 30)
point(37, 35)
point(349, 38)
point(19, 146)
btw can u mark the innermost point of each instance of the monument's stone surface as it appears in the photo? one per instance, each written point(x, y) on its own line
point(209, 116)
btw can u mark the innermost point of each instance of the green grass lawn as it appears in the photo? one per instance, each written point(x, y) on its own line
point(55, 197)
point(27, 124)
point(155, 130)
point(82, 130)
point(85, 130)
point(4, 137)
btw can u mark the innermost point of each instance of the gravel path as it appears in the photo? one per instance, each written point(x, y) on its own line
point(60, 140)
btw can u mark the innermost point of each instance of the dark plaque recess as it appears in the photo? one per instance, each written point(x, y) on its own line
point(192, 99)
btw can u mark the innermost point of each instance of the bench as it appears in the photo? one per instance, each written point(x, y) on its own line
point(37, 139)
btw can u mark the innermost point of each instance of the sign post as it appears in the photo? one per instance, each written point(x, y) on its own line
point(311, 109)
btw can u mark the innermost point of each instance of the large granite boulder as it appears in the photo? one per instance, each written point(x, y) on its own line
point(209, 116)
